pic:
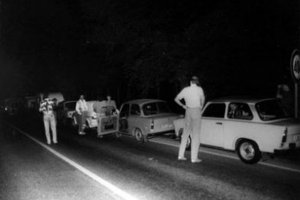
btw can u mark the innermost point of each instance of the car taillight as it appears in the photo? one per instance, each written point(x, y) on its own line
point(284, 136)
point(152, 125)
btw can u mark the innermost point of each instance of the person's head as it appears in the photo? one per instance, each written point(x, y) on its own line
point(81, 97)
point(108, 97)
point(194, 80)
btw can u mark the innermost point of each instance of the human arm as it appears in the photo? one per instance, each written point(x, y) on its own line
point(178, 100)
point(202, 99)
point(42, 106)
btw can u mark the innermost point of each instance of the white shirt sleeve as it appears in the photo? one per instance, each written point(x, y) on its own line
point(181, 94)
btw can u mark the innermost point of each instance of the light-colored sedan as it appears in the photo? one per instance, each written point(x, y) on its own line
point(143, 117)
point(248, 126)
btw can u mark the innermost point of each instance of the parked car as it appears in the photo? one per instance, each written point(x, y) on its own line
point(143, 117)
point(248, 126)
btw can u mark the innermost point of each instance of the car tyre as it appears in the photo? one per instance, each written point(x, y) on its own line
point(118, 134)
point(248, 151)
point(138, 134)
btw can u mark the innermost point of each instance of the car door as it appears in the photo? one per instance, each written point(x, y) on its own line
point(134, 119)
point(124, 114)
point(212, 127)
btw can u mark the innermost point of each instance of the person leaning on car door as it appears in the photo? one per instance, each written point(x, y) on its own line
point(194, 98)
point(47, 107)
point(81, 112)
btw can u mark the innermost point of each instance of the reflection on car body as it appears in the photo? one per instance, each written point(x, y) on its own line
point(249, 126)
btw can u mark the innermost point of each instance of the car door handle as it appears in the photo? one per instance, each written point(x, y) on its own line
point(219, 123)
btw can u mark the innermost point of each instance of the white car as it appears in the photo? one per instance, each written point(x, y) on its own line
point(248, 126)
point(144, 117)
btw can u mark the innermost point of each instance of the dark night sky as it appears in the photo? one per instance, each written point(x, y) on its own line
point(135, 47)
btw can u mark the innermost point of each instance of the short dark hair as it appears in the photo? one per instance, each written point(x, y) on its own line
point(195, 80)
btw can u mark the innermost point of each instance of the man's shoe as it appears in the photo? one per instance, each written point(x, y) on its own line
point(81, 133)
point(181, 158)
point(196, 161)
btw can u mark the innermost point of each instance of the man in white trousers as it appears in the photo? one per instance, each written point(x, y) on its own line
point(47, 107)
point(194, 99)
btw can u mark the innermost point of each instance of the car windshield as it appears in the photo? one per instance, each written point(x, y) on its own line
point(271, 110)
point(155, 108)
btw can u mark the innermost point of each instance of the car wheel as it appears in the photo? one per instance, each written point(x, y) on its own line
point(138, 134)
point(248, 151)
point(118, 134)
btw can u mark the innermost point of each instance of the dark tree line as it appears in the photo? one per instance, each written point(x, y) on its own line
point(148, 48)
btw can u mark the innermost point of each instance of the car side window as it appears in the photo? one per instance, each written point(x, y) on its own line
point(239, 111)
point(125, 110)
point(215, 110)
point(135, 110)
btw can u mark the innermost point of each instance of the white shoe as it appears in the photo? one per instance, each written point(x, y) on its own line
point(196, 161)
point(181, 158)
point(82, 133)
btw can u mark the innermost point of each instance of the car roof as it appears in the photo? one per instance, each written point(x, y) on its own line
point(142, 101)
point(242, 99)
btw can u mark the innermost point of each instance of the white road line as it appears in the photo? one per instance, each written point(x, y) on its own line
point(111, 187)
point(233, 157)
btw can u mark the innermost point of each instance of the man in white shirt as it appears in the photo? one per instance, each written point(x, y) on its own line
point(194, 98)
point(81, 111)
point(47, 107)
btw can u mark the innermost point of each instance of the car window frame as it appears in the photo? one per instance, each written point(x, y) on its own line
point(134, 114)
point(239, 104)
point(128, 111)
point(215, 103)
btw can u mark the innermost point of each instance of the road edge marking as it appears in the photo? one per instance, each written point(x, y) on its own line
point(108, 185)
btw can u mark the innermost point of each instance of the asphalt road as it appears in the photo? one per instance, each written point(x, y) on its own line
point(79, 166)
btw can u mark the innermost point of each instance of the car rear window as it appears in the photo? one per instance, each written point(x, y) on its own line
point(215, 110)
point(155, 108)
point(270, 110)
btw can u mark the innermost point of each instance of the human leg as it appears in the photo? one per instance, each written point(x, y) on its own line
point(196, 126)
point(185, 135)
point(46, 125)
point(53, 128)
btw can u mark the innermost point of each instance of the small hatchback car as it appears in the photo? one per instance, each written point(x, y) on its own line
point(143, 117)
point(248, 126)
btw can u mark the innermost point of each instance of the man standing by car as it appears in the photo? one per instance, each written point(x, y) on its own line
point(47, 107)
point(194, 98)
point(81, 111)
